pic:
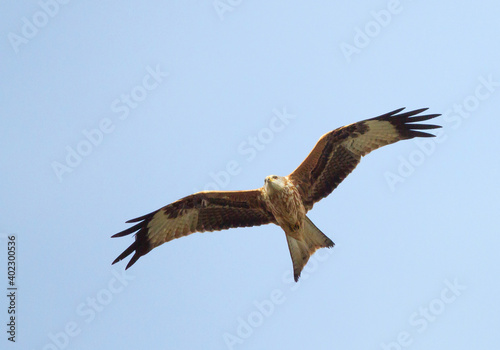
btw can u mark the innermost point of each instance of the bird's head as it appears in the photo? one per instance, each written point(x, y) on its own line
point(274, 182)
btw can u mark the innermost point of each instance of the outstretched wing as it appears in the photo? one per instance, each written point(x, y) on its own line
point(338, 152)
point(199, 212)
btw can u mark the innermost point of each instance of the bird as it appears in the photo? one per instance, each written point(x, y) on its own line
point(282, 200)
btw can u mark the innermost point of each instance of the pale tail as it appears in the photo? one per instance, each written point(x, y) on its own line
point(302, 250)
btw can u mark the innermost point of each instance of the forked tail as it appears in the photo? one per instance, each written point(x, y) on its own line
point(301, 250)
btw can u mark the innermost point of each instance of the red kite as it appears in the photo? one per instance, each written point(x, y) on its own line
point(283, 200)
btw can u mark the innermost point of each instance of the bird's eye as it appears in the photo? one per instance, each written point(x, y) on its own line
point(275, 177)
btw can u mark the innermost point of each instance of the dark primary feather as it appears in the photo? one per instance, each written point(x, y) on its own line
point(402, 122)
point(215, 210)
point(338, 152)
point(141, 244)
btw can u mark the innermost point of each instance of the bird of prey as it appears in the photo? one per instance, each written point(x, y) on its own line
point(283, 200)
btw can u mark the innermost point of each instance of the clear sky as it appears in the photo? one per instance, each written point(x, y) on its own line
point(113, 109)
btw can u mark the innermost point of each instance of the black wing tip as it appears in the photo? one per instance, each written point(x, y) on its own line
point(141, 245)
point(395, 113)
point(126, 232)
point(118, 259)
point(136, 219)
point(404, 122)
point(126, 252)
point(391, 113)
point(130, 263)
point(143, 220)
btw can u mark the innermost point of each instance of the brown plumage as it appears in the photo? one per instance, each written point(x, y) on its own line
point(282, 200)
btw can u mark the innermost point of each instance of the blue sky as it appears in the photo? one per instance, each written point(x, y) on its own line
point(112, 110)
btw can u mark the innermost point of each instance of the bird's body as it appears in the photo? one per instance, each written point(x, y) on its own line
point(283, 201)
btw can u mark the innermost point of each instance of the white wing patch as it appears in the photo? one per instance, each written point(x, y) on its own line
point(379, 133)
point(162, 229)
